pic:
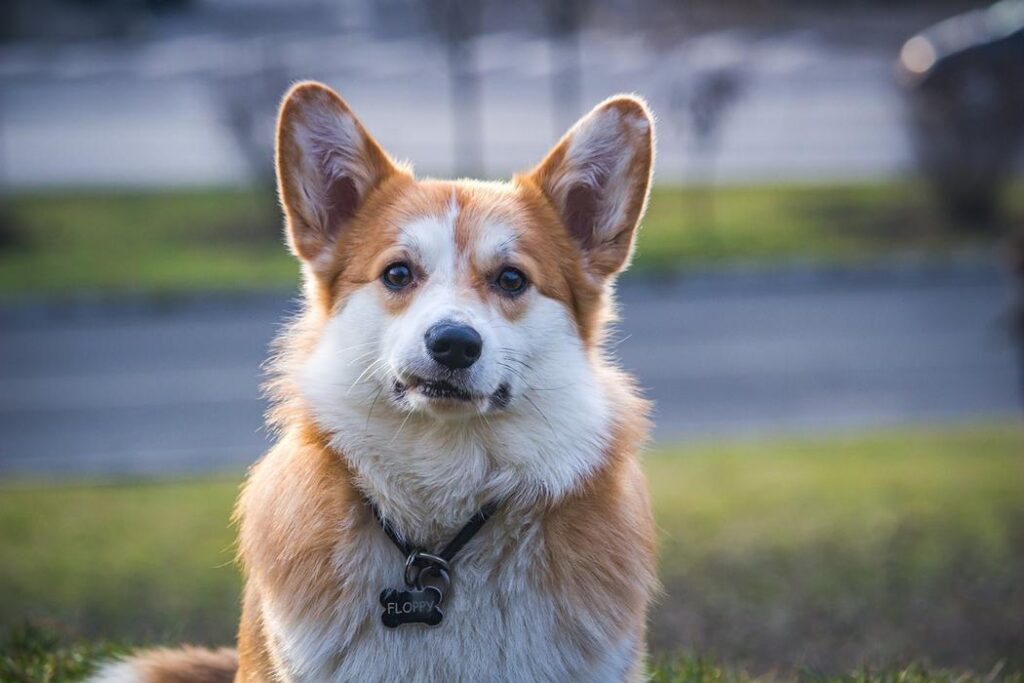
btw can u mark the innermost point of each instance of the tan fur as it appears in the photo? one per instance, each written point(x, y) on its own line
point(183, 665)
point(612, 511)
point(301, 516)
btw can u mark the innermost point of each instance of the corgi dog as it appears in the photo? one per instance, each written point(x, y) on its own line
point(447, 379)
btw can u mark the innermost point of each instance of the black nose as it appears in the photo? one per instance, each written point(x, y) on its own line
point(454, 346)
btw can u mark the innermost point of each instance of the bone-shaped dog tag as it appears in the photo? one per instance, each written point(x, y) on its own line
point(411, 607)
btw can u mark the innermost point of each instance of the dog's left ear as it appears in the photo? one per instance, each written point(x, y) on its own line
point(598, 177)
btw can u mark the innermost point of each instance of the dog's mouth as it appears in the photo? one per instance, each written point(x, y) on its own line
point(440, 389)
point(444, 391)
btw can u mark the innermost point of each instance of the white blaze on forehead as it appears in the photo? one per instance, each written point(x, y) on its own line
point(432, 240)
point(495, 242)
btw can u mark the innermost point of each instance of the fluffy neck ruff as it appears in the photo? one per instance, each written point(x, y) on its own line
point(429, 475)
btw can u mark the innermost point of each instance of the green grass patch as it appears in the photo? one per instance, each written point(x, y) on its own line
point(143, 561)
point(68, 242)
point(836, 224)
point(170, 241)
point(807, 557)
point(830, 554)
point(34, 655)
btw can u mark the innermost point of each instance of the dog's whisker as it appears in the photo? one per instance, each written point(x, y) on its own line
point(541, 413)
point(400, 427)
point(373, 403)
point(511, 351)
point(558, 388)
point(355, 346)
point(530, 386)
point(362, 356)
point(483, 416)
point(514, 371)
point(375, 364)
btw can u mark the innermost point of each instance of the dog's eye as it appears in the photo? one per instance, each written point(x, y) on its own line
point(511, 281)
point(397, 276)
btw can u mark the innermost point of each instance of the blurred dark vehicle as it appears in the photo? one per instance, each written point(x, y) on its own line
point(965, 83)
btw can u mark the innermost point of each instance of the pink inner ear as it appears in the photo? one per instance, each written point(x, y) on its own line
point(342, 202)
point(580, 213)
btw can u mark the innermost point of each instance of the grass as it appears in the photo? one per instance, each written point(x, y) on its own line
point(33, 655)
point(69, 242)
point(894, 555)
point(66, 242)
point(839, 224)
point(830, 554)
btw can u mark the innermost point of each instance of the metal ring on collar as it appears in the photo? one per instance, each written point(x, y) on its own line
point(419, 560)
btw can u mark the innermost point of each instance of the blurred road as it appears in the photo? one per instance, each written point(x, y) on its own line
point(174, 390)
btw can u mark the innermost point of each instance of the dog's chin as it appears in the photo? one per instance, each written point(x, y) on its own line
point(443, 398)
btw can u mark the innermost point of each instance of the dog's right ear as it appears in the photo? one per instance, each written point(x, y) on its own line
point(327, 165)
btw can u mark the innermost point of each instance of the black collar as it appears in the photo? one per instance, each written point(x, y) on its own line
point(427, 576)
point(457, 543)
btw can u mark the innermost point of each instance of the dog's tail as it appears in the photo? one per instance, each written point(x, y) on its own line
point(183, 665)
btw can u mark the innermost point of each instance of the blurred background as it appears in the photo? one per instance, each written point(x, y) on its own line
point(827, 302)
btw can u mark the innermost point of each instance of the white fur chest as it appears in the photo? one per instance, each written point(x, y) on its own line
point(500, 624)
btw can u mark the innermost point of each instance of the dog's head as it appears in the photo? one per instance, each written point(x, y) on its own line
point(454, 300)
